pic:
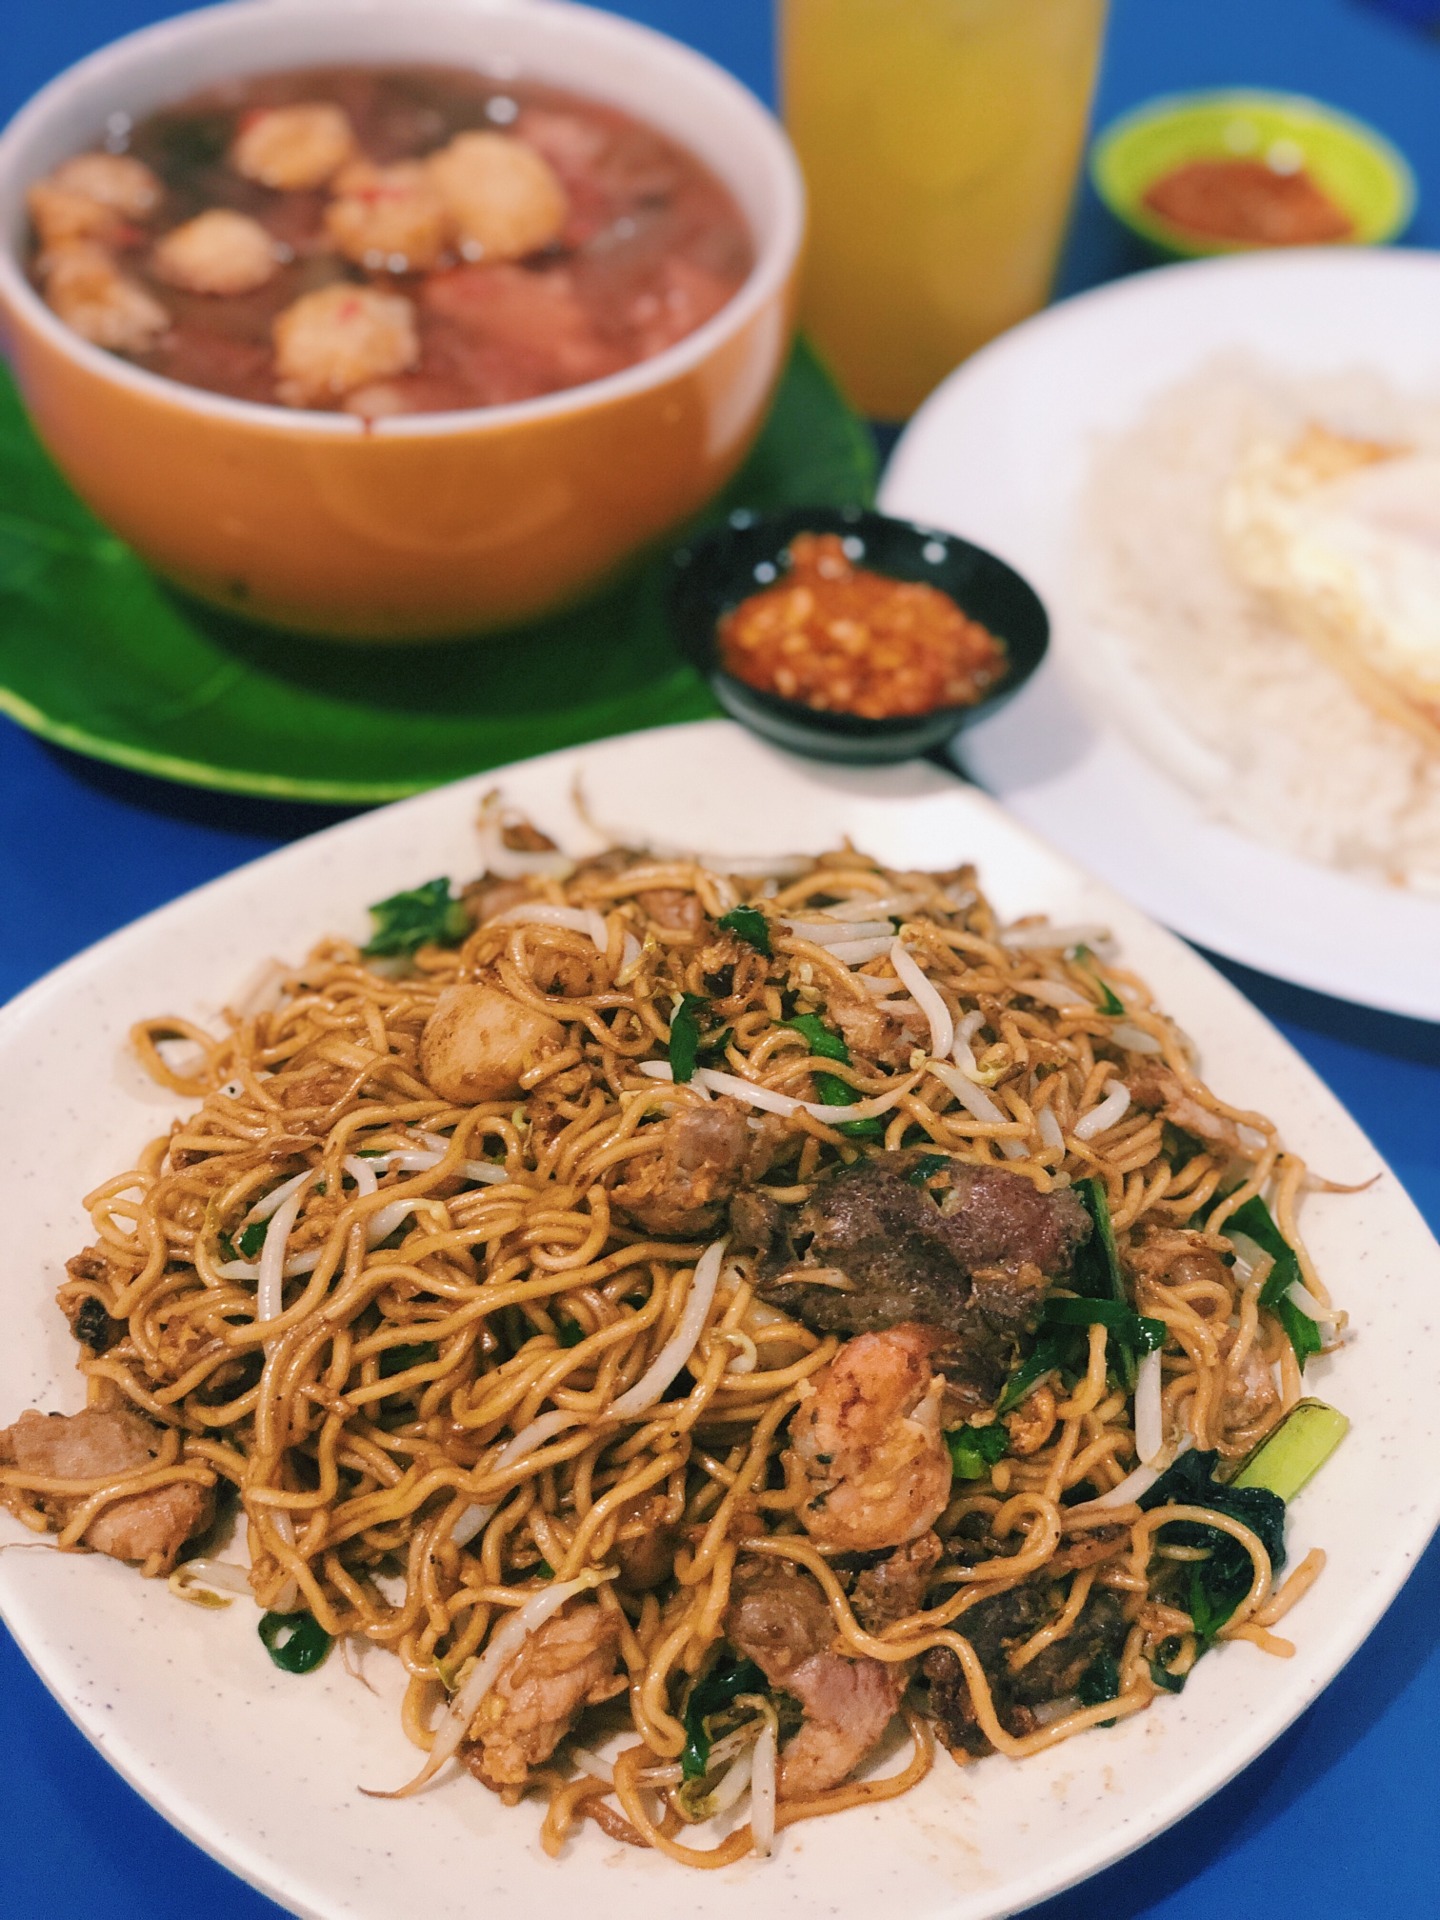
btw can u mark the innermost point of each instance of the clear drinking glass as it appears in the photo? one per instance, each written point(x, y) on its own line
point(940, 140)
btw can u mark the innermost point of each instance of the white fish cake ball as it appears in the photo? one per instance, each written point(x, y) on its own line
point(343, 337)
point(83, 284)
point(92, 197)
point(217, 252)
point(505, 199)
point(389, 219)
point(479, 1043)
point(293, 147)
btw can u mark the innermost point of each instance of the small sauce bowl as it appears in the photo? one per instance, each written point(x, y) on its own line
point(710, 576)
point(1356, 168)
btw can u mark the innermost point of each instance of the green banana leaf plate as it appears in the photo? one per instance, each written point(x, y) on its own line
point(99, 656)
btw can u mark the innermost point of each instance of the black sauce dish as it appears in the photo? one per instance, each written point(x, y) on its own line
point(712, 574)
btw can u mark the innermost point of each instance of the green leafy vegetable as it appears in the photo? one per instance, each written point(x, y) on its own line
point(974, 1450)
point(926, 1167)
point(1134, 1330)
point(1100, 1681)
point(1051, 1351)
point(1217, 1584)
point(247, 1244)
point(1110, 1002)
point(400, 1359)
point(685, 1036)
point(819, 1038)
point(421, 916)
point(1255, 1220)
point(1302, 1332)
point(715, 1690)
point(835, 1092)
point(569, 1332)
point(1097, 1272)
point(296, 1642)
point(1159, 1671)
point(750, 925)
point(1098, 1275)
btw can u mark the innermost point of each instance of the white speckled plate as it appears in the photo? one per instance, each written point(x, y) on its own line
point(262, 1769)
point(1086, 754)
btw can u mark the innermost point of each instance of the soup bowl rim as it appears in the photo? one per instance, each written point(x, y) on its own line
point(773, 265)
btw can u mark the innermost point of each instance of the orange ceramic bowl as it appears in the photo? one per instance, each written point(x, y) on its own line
point(433, 524)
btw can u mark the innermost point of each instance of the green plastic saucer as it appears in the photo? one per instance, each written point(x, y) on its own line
point(1356, 166)
point(98, 656)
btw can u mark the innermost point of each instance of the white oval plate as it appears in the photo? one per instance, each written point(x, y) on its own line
point(261, 1769)
point(1000, 453)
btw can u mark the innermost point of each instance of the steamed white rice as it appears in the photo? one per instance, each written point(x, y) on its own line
point(1275, 740)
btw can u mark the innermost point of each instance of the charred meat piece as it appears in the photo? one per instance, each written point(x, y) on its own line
point(107, 1445)
point(994, 1628)
point(1088, 1548)
point(681, 1186)
point(895, 1586)
point(779, 1618)
point(89, 1319)
point(971, 1259)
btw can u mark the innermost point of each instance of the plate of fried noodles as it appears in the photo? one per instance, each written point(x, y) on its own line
point(666, 1321)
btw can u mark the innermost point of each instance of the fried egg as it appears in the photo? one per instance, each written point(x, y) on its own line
point(1341, 536)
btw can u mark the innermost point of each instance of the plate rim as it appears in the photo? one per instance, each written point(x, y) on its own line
point(1238, 1745)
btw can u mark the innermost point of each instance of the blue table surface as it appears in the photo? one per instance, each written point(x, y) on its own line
point(1338, 1818)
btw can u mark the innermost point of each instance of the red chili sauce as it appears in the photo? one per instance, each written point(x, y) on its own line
point(1249, 202)
point(843, 639)
point(475, 241)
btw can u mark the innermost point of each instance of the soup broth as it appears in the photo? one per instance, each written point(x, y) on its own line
point(386, 240)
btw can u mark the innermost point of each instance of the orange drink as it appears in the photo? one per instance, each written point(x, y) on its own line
point(940, 141)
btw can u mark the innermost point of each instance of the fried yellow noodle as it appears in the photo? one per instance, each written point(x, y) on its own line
point(580, 1313)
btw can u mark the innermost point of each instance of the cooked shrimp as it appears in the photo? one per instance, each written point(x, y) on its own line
point(505, 199)
point(388, 218)
point(868, 1443)
point(216, 252)
point(293, 147)
point(92, 197)
point(565, 1666)
point(342, 337)
point(479, 1042)
point(84, 285)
